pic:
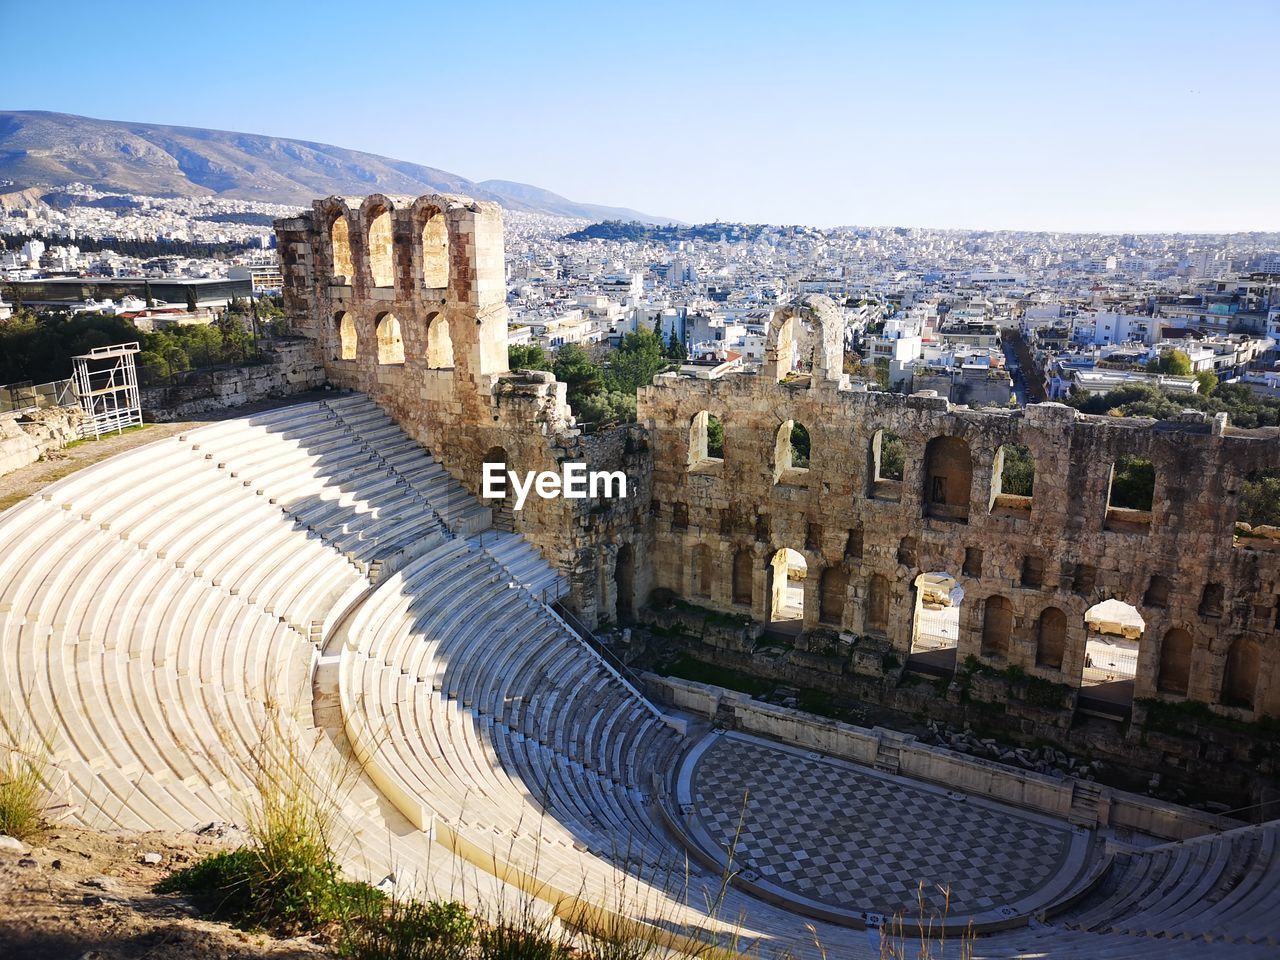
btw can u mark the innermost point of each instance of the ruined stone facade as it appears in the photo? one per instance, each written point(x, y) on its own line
point(405, 298)
point(406, 301)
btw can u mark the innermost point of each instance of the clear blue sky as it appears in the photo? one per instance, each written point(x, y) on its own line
point(1037, 114)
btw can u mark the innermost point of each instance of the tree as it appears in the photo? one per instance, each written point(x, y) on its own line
point(1176, 363)
point(192, 304)
point(531, 357)
point(1208, 381)
point(675, 347)
point(574, 369)
point(635, 363)
point(715, 437)
point(146, 293)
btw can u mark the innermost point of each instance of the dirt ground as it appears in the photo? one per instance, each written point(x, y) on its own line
point(20, 484)
point(84, 895)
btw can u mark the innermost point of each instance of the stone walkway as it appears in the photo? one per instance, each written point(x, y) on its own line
point(853, 838)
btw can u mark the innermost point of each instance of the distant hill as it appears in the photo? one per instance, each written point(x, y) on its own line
point(39, 149)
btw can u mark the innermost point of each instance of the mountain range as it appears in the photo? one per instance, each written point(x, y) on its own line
point(41, 149)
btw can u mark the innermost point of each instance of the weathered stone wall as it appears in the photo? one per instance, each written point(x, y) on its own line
point(289, 367)
point(26, 437)
point(1063, 551)
point(405, 300)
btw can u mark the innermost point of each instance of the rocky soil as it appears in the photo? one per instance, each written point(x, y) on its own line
point(84, 895)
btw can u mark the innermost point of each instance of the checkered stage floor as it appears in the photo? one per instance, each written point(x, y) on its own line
point(856, 839)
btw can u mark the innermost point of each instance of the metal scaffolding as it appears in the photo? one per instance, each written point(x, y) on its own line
point(106, 379)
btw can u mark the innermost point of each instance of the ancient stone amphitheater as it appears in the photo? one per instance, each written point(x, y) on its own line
point(313, 575)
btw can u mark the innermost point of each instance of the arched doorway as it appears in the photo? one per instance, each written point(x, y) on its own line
point(504, 517)
point(1113, 634)
point(624, 584)
point(935, 623)
point(787, 573)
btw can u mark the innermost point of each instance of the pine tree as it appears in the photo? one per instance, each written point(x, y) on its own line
point(146, 293)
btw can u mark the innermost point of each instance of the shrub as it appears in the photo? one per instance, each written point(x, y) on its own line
point(399, 929)
point(523, 941)
point(22, 771)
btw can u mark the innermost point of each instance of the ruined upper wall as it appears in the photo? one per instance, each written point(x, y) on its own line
point(719, 522)
point(405, 300)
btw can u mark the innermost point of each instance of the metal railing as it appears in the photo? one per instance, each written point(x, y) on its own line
point(25, 396)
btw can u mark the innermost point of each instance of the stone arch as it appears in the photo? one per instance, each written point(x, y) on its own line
point(434, 237)
point(1114, 633)
point(1174, 674)
point(1240, 676)
point(935, 618)
point(1013, 475)
point(831, 595)
point(439, 342)
point(791, 450)
point(1051, 638)
point(788, 569)
point(340, 260)
point(997, 626)
point(390, 340)
point(377, 216)
point(885, 466)
point(743, 565)
point(948, 478)
point(877, 618)
point(346, 340)
point(807, 336)
point(706, 439)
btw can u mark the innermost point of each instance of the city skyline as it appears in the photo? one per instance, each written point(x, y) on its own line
point(1080, 119)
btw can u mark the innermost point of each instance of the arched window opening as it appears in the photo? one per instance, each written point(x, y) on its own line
point(340, 244)
point(1240, 680)
point(742, 570)
point(381, 258)
point(997, 626)
point(1175, 663)
point(831, 596)
point(1012, 479)
point(439, 343)
point(345, 330)
point(948, 477)
point(706, 440)
point(787, 574)
point(886, 466)
point(935, 621)
point(877, 618)
point(1051, 638)
point(1131, 494)
point(390, 343)
point(790, 452)
point(435, 251)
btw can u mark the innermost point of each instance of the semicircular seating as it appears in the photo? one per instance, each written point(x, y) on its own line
point(312, 574)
